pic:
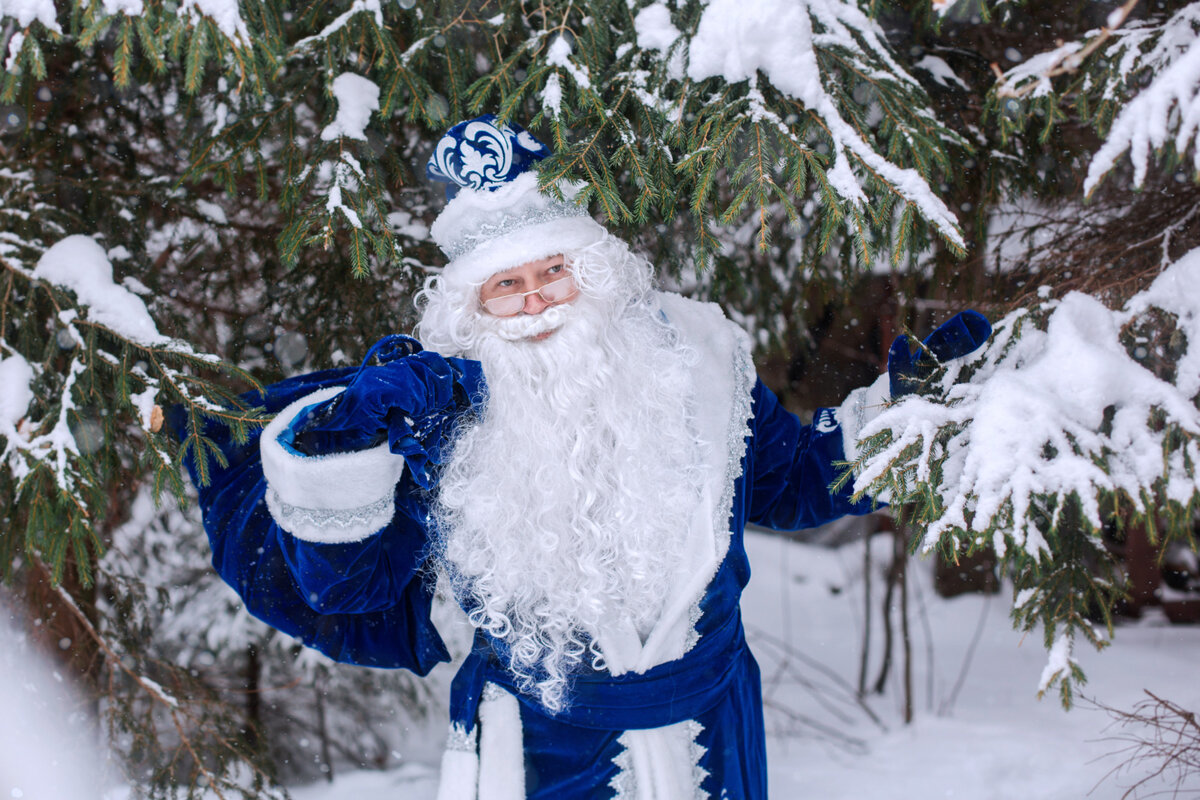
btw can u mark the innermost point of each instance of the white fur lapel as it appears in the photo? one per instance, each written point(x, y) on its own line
point(721, 384)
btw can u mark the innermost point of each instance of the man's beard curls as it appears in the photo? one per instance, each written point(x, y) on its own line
point(565, 507)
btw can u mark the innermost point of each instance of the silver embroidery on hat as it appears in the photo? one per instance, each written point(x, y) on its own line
point(514, 222)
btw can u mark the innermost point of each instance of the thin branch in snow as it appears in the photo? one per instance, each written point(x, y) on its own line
point(357, 7)
point(1158, 734)
point(1035, 73)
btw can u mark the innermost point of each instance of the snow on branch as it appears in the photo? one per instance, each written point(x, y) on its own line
point(357, 99)
point(1073, 416)
point(736, 41)
point(371, 7)
point(56, 448)
point(46, 421)
point(343, 176)
point(1034, 74)
point(559, 57)
point(224, 14)
point(25, 12)
point(1054, 412)
point(1167, 111)
point(80, 264)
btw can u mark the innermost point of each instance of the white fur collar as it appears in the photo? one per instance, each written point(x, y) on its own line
point(721, 384)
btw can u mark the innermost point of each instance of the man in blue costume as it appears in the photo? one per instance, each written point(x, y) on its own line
point(586, 502)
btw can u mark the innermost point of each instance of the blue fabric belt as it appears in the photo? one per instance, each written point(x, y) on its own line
point(672, 692)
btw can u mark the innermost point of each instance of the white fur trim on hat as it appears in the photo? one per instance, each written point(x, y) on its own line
point(484, 232)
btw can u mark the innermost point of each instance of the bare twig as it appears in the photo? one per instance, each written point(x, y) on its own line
point(1160, 735)
point(178, 712)
point(763, 641)
point(947, 704)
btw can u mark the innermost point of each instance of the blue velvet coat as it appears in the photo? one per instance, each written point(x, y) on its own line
point(367, 601)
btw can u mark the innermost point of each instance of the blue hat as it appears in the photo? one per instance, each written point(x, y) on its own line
point(496, 218)
point(483, 153)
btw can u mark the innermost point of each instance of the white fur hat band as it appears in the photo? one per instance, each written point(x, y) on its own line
point(496, 218)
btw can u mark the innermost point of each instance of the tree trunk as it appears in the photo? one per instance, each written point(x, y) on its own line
point(900, 564)
point(323, 730)
point(864, 661)
point(889, 592)
point(253, 699)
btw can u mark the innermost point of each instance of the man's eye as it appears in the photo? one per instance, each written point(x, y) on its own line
point(557, 268)
point(504, 284)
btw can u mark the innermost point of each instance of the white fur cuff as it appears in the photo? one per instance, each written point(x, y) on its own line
point(860, 407)
point(342, 497)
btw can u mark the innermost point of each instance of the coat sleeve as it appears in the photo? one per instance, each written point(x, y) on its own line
point(792, 466)
point(344, 576)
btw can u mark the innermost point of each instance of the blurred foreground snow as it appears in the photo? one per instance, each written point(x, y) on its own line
point(47, 738)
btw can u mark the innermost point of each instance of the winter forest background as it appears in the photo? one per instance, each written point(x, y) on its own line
point(201, 196)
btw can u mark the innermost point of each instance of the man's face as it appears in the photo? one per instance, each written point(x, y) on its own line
point(529, 289)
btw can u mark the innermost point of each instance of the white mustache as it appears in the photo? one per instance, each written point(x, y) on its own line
point(525, 326)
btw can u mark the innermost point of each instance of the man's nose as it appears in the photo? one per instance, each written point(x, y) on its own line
point(534, 304)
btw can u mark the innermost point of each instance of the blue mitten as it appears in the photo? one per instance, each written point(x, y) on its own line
point(407, 398)
point(960, 335)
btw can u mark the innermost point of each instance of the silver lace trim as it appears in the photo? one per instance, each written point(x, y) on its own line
point(696, 752)
point(341, 518)
point(693, 635)
point(739, 429)
point(515, 222)
point(624, 783)
point(460, 739)
point(735, 446)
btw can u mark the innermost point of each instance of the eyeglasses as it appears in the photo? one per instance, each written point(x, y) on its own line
point(511, 304)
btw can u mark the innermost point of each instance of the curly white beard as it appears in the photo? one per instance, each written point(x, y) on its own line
point(567, 505)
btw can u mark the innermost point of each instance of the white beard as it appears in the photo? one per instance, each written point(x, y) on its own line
point(566, 507)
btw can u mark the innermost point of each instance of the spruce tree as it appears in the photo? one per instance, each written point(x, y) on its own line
point(1079, 421)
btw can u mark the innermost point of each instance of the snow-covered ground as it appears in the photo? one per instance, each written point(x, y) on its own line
point(997, 741)
point(804, 613)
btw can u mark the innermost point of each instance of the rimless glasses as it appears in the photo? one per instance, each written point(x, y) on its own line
point(512, 304)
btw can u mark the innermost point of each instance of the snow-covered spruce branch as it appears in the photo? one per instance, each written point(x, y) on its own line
point(1074, 416)
point(78, 265)
point(1166, 113)
point(204, 32)
point(732, 111)
point(1145, 72)
point(806, 52)
point(1033, 76)
point(66, 404)
point(626, 92)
